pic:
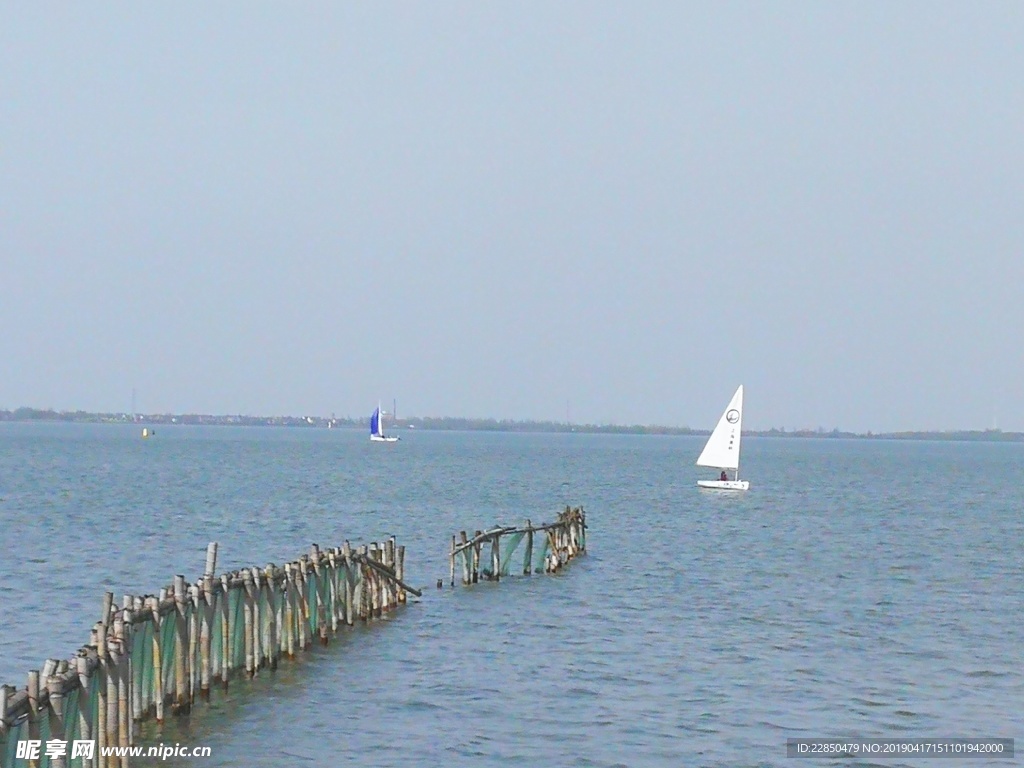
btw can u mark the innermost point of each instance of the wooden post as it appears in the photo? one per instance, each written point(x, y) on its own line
point(123, 702)
point(374, 582)
point(466, 555)
point(528, 557)
point(247, 591)
point(302, 606)
point(363, 585)
point(4, 694)
point(273, 625)
point(301, 610)
point(211, 560)
point(451, 559)
point(33, 710)
point(400, 572)
point(380, 582)
point(113, 712)
point(193, 630)
point(258, 642)
point(288, 625)
point(54, 685)
point(207, 607)
point(319, 589)
point(137, 670)
point(208, 603)
point(332, 587)
point(225, 631)
point(391, 552)
point(85, 731)
point(476, 558)
point(346, 556)
point(158, 659)
point(104, 682)
point(181, 701)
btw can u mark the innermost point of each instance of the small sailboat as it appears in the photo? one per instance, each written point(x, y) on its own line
point(377, 428)
point(722, 449)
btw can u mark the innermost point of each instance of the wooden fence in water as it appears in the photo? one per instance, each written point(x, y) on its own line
point(160, 653)
point(560, 542)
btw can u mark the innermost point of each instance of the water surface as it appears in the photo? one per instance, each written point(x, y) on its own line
point(861, 588)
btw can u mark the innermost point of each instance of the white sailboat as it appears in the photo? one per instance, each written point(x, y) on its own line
point(377, 428)
point(722, 449)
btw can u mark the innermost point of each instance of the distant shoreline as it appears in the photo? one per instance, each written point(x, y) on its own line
point(476, 425)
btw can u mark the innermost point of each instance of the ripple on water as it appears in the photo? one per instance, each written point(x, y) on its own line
point(700, 631)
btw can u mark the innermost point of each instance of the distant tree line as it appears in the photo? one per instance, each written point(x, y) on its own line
point(455, 423)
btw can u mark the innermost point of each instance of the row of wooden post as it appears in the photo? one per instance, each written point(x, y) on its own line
point(282, 610)
point(565, 539)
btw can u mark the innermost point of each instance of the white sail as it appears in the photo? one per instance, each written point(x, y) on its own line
point(723, 447)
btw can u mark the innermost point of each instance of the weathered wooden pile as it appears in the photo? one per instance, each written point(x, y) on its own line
point(159, 653)
point(560, 542)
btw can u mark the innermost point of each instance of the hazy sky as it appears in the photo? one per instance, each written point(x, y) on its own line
point(496, 209)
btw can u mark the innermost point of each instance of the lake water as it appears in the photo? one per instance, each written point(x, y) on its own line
point(860, 588)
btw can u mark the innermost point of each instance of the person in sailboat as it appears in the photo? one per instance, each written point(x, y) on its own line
point(723, 477)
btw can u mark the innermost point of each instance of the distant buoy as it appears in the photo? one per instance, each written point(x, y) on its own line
point(145, 432)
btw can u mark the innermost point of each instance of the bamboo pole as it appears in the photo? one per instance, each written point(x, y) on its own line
point(101, 692)
point(374, 582)
point(528, 556)
point(158, 659)
point(380, 582)
point(258, 641)
point(246, 596)
point(209, 602)
point(476, 557)
point(85, 731)
point(273, 624)
point(193, 631)
point(211, 560)
point(181, 702)
point(55, 688)
point(466, 578)
point(289, 611)
point(115, 659)
point(225, 632)
point(33, 710)
point(400, 573)
point(332, 586)
point(319, 578)
point(391, 556)
point(302, 612)
point(362, 586)
point(123, 702)
point(346, 556)
point(4, 696)
point(451, 561)
point(137, 669)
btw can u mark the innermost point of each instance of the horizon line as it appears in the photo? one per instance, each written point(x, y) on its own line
point(30, 413)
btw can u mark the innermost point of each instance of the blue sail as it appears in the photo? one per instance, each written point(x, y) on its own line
point(375, 422)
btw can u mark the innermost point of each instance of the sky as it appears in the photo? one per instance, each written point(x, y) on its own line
point(606, 212)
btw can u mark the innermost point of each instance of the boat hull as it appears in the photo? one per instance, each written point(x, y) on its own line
point(725, 485)
point(380, 439)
